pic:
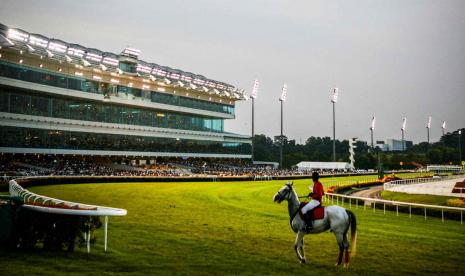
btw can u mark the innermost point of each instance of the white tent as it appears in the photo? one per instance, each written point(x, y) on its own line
point(307, 166)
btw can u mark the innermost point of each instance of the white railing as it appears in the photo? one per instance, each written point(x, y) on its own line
point(411, 181)
point(338, 198)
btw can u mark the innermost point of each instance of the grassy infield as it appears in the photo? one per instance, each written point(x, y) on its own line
point(235, 228)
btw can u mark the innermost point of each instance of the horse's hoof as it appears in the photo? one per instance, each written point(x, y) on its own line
point(302, 261)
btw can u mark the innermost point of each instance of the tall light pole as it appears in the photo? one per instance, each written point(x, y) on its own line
point(282, 99)
point(460, 148)
point(373, 121)
point(253, 96)
point(404, 124)
point(334, 100)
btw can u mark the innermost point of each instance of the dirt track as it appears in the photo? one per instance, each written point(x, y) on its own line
point(373, 192)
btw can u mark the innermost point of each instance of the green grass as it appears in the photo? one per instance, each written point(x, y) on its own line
point(414, 198)
point(235, 228)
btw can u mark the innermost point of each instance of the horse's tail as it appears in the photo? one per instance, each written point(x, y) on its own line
point(353, 232)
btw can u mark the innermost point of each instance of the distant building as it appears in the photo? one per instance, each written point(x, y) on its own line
point(393, 145)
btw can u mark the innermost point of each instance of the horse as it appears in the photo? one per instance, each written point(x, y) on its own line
point(336, 218)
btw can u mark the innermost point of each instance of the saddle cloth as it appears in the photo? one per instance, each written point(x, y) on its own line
point(315, 213)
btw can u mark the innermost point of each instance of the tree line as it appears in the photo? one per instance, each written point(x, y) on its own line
point(445, 151)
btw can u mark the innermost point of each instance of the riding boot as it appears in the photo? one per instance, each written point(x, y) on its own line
point(308, 220)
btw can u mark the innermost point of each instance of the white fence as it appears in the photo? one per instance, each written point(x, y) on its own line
point(372, 202)
point(402, 182)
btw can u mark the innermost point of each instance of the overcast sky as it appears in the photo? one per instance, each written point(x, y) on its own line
point(391, 59)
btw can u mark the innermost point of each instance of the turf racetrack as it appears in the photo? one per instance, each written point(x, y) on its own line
point(235, 228)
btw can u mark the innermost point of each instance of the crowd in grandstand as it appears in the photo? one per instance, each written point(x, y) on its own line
point(59, 165)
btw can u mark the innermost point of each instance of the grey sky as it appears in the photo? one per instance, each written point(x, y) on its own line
point(392, 58)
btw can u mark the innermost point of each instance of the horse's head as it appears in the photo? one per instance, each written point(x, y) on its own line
point(283, 193)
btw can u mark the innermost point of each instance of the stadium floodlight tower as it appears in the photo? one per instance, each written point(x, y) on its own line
point(282, 99)
point(428, 126)
point(253, 96)
point(334, 100)
point(404, 125)
point(443, 126)
point(372, 127)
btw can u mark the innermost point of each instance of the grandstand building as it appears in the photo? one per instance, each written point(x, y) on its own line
point(63, 98)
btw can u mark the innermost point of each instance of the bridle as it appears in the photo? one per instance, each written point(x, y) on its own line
point(283, 196)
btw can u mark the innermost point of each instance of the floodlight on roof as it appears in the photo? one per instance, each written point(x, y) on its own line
point(180, 83)
point(199, 81)
point(131, 52)
point(29, 47)
point(119, 71)
point(143, 69)
point(167, 81)
point(216, 91)
point(428, 125)
point(152, 77)
point(57, 47)
point(175, 76)
point(186, 78)
point(110, 61)
point(76, 52)
point(49, 54)
point(193, 86)
point(68, 58)
point(104, 68)
point(226, 93)
point(94, 57)
point(37, 41)
point(17, 35)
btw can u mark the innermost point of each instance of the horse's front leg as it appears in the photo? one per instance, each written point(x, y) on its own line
point(299, 244)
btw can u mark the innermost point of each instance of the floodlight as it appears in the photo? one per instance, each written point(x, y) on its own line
point(180, 83)
point(110, 61)
point(255, 89)
point(334, 95)
point(143, 69)
point(443, 125)
point(404, 124)
point(37, 41)
point(131, 52)
point(57, 47)
point(428, 125)
point(283, 93)
point(205, 89)
point(104, 68)
point(373, 121)
point(17, 35)
point(68, 58)
point(193, 86)
point(167, 81)
point(94, 57)
point(76, 52)
point(152, 77)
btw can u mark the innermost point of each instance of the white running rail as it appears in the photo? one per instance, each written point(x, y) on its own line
point(338, 198)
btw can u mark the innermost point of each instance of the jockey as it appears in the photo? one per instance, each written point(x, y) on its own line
point(316, 195)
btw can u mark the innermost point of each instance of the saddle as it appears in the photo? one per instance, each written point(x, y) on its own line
point(312, 215)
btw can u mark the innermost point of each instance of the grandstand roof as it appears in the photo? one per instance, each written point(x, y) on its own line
point(307, 165)
point(96, 59)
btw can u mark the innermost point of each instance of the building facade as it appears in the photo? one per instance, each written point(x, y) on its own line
point(62, 98)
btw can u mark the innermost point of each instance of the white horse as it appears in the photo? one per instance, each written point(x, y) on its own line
point(336, 218)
